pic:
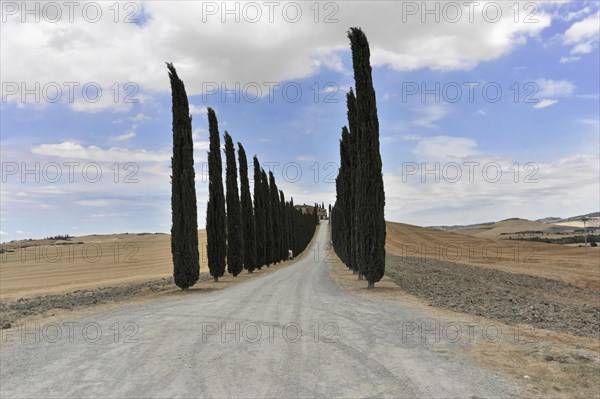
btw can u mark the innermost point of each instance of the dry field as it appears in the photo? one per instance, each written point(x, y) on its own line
point(553, 261)
point(42, 267)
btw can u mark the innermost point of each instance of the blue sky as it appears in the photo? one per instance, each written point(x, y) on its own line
point(531, 150)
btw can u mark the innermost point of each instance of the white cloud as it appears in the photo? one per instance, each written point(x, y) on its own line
point(564, 186)
point(445, 148)
point(198, 110)
point(555, 88)
point(565, 60)
point(140, 117)
point(2, 233)
point(333, 62)
point(21, 232)
point(72, 150)
point(582, 30)
point(582, 48)
point(201, 145)
point(481, 112)
point(212, 51)
point(575, 14)
point(125, 136)
point(549, 90)
point(583, 35)
point(198, 131)
point(545, 104)
point(429, 114)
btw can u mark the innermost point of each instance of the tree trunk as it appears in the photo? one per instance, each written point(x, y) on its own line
point(370, 285)
point(353, 271)
point(360, 276)
point(215, 279)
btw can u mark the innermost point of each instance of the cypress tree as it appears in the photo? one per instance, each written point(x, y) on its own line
point(284, 227)
point(184, 231)
point(344, 200)
point(352, 154)
point(234, 232)
point(215, 208)
point(276, 219)
point(370, 201)
point(268, 210)
point(295, 233)
point(248, 223)
point(259, 216)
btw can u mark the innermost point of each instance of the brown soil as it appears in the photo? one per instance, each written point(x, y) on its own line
point(553, 261)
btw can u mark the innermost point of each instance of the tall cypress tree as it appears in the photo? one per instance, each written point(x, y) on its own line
point(268, 210)
point(184, 231)
point(248, 223)
point(234, 233)
point(370, 200)
point(215, 208)
point(342, 203)
point(259, 216)
point(352, 162)
point(295, 233)
point(276, 219)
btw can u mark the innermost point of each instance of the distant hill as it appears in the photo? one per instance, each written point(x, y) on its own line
point(519, 225)
point(550, 219)
point(593, 215)
point(546, 220)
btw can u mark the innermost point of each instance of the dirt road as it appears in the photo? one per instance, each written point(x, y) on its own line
point(291, 333)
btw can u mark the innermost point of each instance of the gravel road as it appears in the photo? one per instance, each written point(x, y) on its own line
point(291, 333)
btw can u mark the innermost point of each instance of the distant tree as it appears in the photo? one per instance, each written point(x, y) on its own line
point(259, 216)
point(343, 188)
point(248, 222)
point(276, 219)
point(284, 227)
point(267, 206)
point(215, 209)
point(234, 232)
point(295, 240)
point(184, 231)
point(370, 201)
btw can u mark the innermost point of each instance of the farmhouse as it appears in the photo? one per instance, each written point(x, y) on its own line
point(321, 212)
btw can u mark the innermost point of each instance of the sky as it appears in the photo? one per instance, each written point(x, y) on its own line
point(488, 110)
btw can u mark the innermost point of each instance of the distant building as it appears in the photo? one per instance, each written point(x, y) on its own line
point(309, 209)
